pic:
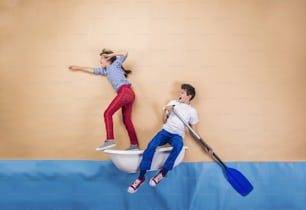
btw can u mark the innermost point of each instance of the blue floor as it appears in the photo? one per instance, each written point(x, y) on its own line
point(98, 185)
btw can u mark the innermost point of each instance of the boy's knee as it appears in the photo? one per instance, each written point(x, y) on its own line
point(178, 146)
point(151, 146)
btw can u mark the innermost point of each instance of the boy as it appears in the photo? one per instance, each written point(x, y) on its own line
point(172, 133)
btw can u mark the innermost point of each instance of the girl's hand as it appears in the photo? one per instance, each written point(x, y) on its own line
point(108, 56)
point(73, 68)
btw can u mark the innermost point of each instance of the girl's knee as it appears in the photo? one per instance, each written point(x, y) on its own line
point(107, 114)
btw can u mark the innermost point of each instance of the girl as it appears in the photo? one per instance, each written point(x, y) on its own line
point(112, 68)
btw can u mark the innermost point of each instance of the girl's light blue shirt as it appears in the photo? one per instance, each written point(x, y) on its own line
point(114, 73)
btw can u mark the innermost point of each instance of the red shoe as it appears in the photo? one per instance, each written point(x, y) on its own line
point(134, 187)
point(156, 179)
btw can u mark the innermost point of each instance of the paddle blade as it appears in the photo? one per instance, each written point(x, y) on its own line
point(238, 181)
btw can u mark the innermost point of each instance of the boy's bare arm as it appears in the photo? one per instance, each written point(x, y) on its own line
point(167, 110)
point(194, 127)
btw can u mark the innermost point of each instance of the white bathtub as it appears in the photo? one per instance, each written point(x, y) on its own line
point(128, 161)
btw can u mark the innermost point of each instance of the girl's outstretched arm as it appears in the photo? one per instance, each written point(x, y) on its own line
point(82, 68)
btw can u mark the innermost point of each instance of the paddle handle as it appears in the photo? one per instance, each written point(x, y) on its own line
point(200, 140)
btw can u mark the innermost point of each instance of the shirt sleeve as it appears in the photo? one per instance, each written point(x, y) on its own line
point(194, 117)
point(99, 71)
point(119, 61)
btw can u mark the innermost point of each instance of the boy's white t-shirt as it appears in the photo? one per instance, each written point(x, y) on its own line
point(174, 124)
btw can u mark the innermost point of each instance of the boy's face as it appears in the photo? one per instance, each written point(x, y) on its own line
point(183, 97)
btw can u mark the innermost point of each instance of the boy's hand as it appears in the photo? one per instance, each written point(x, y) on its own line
point(210, 153)
point(169, 108)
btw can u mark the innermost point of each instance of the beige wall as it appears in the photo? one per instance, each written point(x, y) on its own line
point(245, 58)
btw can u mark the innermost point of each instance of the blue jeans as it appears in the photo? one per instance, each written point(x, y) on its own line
point(161, 138)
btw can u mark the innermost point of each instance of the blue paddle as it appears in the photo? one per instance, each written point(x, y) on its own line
point(238, 181)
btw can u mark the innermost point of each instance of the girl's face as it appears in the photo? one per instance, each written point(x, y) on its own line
point(104, 61)
point(183, 97)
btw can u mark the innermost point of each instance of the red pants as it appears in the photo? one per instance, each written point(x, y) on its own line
point(124, 100)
